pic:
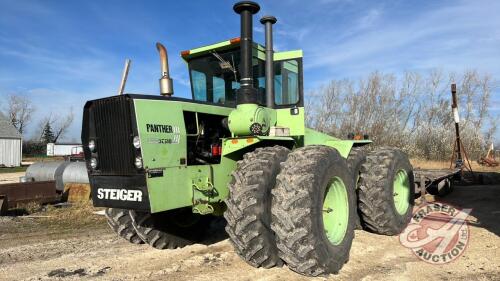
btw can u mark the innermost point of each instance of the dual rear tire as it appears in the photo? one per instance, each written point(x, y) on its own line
point(383, 178)
point(314, 208)
point(385, 193)
point(296, 207)
point(314, 205)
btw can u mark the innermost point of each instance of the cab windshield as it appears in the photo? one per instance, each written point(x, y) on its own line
point(215, 78)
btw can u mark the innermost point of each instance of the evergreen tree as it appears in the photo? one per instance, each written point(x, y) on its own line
point(48, 135)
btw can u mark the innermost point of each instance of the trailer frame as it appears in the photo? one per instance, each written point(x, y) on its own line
point(435, 181)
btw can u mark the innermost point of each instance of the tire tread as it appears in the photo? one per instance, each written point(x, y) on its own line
point(248, 222)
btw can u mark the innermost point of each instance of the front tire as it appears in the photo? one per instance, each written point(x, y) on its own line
point(120, 222)
point(314, 209)
point(385, 195)
point(248, 213)
point(171, 229)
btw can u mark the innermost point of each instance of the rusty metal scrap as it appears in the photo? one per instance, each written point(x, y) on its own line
point(24, 192)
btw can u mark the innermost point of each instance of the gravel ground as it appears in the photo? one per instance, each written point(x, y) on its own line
point(38, 249)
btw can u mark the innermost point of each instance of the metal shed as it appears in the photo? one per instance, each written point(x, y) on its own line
point(11, 144)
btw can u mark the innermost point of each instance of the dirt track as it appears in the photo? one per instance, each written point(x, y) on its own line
point(32, 250)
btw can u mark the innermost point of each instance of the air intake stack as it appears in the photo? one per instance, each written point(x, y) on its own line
point(247, 93)
point(268, 22)
point(249, 118)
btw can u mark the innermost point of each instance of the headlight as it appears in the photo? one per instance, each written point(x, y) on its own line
point(92, 145)
point(93, 163)
point(137, 142)
point(138, 162)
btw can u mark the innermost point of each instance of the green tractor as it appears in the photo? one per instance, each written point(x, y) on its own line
point(166, 167)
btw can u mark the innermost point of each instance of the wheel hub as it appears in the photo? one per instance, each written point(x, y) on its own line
point(401, 192)
point(335, 211)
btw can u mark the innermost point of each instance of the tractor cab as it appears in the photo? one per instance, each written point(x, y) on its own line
point(214, 74)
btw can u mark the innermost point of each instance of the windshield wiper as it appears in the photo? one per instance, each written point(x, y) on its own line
point(224, 64)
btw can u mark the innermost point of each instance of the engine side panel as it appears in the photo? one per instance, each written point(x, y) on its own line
point(173, 179)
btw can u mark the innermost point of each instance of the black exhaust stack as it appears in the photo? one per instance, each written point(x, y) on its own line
point(268, 22)
point(247, 93)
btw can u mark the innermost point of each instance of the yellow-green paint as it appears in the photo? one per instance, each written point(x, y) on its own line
point(204, 49)
point(292, 66)
point(313, 137)
point(401, 191)
point(246, 115)
point(335, 211)
point(163, 151)
point(258, 50)
point(284, 118)
point(288, 55)
point(231, 145)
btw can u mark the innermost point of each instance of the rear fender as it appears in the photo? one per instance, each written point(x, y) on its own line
point(234, 148)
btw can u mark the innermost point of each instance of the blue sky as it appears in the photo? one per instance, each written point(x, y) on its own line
point(62, 53)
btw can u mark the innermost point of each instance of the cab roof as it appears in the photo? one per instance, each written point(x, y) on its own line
point(224, 45)
point(234, 43)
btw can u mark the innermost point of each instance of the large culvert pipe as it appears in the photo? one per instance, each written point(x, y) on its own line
point(247, 93)
point(75, 172)
point(268, 22)
point(48, 171)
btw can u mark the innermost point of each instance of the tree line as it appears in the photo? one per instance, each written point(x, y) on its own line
point(411, 111)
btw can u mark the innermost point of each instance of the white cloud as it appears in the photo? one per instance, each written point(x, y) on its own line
point(444, 37)
point(369, 19)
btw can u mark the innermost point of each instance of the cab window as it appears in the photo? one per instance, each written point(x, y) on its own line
point(215, 77)
point(199, 83)
point(219, 90)
point(286, 82)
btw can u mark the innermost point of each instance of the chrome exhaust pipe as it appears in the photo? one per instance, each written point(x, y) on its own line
point(166, 83)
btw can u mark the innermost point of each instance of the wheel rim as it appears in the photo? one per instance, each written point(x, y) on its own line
point(335, 211)
point(401, 192)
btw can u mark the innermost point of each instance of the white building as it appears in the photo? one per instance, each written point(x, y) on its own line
point(64, 149)
point(11, 144)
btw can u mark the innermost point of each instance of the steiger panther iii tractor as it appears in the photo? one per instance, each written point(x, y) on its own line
point(165, 167)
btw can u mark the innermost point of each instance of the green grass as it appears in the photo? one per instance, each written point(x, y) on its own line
point(13, 170)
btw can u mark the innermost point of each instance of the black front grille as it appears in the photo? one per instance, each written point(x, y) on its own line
point(113, 131)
